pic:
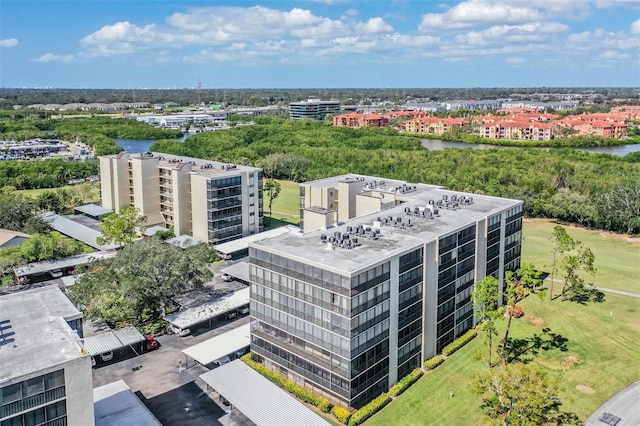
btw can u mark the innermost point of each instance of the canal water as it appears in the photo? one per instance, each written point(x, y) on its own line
point(439, 145)
point(135, 146)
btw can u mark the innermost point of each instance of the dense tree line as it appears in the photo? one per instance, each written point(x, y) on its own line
point(263, 97)
point(594, 190)
point(44, 174)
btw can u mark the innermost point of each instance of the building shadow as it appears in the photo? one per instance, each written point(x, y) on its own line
point(187, 405)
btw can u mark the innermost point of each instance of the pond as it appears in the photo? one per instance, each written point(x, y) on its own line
point(439, 145)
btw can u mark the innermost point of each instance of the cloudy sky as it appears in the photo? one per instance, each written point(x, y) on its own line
point(321, 43)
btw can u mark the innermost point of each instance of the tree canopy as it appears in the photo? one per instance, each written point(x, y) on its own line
point(521, 395)
point(137, 285)
point(122, 227)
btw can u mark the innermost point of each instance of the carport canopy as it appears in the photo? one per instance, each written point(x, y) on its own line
point(219, 346)
point(262, 402)
point(238, 270)
point(112, 340)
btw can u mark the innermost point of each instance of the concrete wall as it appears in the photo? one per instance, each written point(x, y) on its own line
point(146, 185)
point(79, 387)
point(430, 300)
point(181, 186)
point(199, 214)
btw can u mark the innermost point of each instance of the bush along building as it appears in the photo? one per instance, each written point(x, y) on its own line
point(378, 280)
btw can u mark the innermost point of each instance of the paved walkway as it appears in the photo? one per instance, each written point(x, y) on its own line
point(606, 290)
point(622, 409)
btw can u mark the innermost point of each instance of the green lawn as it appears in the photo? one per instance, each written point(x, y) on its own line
point(617, 257)
point(33, 193)
point(603, 337)
point(288, 202)
point(286, 208)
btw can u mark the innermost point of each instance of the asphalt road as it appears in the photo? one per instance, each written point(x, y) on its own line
point(622, 409)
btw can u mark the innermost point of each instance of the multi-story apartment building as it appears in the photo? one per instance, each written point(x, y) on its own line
point(45, 373)
point(209, 200)
point(313, 109)
point(379, 281)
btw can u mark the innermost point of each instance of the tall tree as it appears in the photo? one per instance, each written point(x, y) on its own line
point(272, 189)
point(122, 227)
point(575, 288)
point(485, 304)
point(524, 281)
point(136, 285)
point(521, 395)
point(562, 242)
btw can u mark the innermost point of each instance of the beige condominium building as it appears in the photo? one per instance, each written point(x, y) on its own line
point(45, 372)
point(379, 281)
point(208, 200)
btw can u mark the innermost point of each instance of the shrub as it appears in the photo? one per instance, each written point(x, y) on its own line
point(405, 382)
point(342, 414)
point(301, 393)
point(459, 342)
point(515, 311)
point(432, 363)
point(369, 410)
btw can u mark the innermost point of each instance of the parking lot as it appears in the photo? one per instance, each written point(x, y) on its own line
point(173, 393)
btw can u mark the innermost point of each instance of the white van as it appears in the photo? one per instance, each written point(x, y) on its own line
point(179, 331)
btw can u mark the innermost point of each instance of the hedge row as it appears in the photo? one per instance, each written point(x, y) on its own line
point(459, 342)
point(323, 404)
point(405, 382)
point(369, 410)
point(342, 414)
point(432, 363)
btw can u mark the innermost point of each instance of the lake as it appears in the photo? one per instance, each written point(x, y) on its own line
point(439, 145)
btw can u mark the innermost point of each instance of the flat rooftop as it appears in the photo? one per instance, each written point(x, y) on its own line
point(212, 309)
point(116, 405)
point(198, 165)
point(34, 332)
point(309, 248)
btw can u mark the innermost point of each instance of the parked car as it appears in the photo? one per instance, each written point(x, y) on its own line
point(244, 310)
point(150, 343)
point(230, 315)
point(107, 356)
point(179, 331)
point(226, 277)
point(222, 361)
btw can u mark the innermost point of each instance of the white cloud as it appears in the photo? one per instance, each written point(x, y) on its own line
point(9, 42)
point(509, 30)
point(635, 27)
point(533, 32)
point(373, 26)
point(51, 57)
point(474, 12)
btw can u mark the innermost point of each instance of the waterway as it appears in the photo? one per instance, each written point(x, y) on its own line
point(439, 145)
point(135, 146)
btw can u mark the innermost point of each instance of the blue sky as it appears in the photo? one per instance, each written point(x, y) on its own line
point(322, 43)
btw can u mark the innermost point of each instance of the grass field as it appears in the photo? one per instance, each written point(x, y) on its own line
point(617, 257)
point(33, 193)
point(286, 208)
point(605, 338)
